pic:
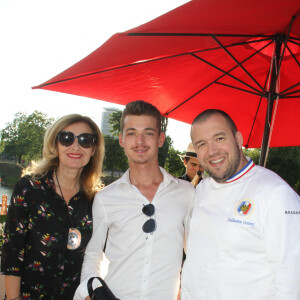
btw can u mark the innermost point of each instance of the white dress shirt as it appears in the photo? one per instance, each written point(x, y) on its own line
point(142, 265)
point(244, 240)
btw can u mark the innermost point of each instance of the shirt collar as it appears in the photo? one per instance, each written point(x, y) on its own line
point(168, 178)
point(242, 172)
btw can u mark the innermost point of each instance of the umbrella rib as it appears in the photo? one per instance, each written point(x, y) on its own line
point(284, 95)
point(196, 34)
point(280, 37)
point(293, 42)
point(295, 38)
point(257, 110)
point(237, 88)
point(291, 87)
point(231, 45)
point(294, 57)
point(253, 54)
point(108, 70)
point(143, 62)
point(254, 120)
point(290, 97)
point(227, 73)
point(237, 62)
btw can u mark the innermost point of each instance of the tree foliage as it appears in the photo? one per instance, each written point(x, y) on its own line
point(174, 165)
point(253, 153)
point(163, 151)
point(114, 121)
point(115, 158)
point(285, 161)
point(23, 137)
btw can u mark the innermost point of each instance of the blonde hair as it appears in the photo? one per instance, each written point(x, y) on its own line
point(90, 181)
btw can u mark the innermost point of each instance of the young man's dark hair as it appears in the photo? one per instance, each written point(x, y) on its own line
point(138, 108)
point(206, 114)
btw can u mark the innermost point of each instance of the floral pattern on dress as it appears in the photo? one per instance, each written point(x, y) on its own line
point(35, 239)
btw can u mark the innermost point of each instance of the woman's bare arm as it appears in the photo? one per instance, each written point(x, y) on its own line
point(12, 286)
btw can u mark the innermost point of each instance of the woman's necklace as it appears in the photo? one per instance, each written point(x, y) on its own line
point(74, 236)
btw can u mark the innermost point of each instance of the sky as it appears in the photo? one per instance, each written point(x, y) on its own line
point(41, 38)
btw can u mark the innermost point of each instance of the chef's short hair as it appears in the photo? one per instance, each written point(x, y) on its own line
point(206, 114)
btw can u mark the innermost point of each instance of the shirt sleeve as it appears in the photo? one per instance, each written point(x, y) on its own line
point(16, 230)
point(94, 251)
point(189, 216)
point(282, 234)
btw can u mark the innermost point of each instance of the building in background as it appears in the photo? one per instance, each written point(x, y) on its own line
point(105, 126)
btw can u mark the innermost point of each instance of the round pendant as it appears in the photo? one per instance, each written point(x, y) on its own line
point(74, 239)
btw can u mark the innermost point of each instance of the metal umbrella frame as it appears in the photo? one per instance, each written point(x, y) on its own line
point(101, 71)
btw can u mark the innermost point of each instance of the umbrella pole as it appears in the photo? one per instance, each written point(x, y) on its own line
point(271, 98)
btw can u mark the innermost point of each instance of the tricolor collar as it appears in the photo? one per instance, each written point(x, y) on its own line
point(241, 172)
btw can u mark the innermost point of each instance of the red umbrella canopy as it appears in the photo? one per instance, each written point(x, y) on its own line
point(238, 56)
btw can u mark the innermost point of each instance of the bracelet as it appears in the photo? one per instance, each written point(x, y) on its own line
point(16, 298)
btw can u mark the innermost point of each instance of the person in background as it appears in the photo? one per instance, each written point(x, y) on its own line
point(244, 231)
point(193, 168)
point(145, 213)
point(49, 220)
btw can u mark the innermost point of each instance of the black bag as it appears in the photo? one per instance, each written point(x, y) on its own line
point(100, 293)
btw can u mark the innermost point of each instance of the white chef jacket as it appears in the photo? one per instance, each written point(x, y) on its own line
point(142, 265)
point(244, 240)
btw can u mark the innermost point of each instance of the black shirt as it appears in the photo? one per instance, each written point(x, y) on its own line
point(36, 234)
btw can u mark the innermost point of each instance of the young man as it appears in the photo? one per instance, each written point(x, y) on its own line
point(192, 165)
point(244, 232)
point(145, 214)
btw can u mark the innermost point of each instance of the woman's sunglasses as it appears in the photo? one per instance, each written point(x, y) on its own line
point(85, 140)
point(150, 225)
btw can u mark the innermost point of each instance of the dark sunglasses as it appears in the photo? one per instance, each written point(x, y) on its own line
point(85, 140)
point(150, 225)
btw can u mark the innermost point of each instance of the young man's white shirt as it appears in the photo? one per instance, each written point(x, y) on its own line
point(142, 265)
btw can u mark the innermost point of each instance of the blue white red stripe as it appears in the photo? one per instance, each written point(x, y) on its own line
point(242, 172)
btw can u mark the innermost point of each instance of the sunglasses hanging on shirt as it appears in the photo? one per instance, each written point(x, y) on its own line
point(150, 225)
point(85, 140)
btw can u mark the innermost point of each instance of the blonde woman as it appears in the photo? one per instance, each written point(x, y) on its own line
point(49, 221)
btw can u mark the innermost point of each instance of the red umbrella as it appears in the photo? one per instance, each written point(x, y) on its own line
point(239, 56)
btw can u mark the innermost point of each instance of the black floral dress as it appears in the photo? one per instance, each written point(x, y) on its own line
point(35, 241)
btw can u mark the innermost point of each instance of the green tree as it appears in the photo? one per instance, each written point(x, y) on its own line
point(114, 121)
point(253, 153)
point(163, 151)
point(23, 137)
point(285, 161)
point(174, 165)
point(115, 158)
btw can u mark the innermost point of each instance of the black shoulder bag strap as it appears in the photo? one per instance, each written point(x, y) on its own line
point(108, 292)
